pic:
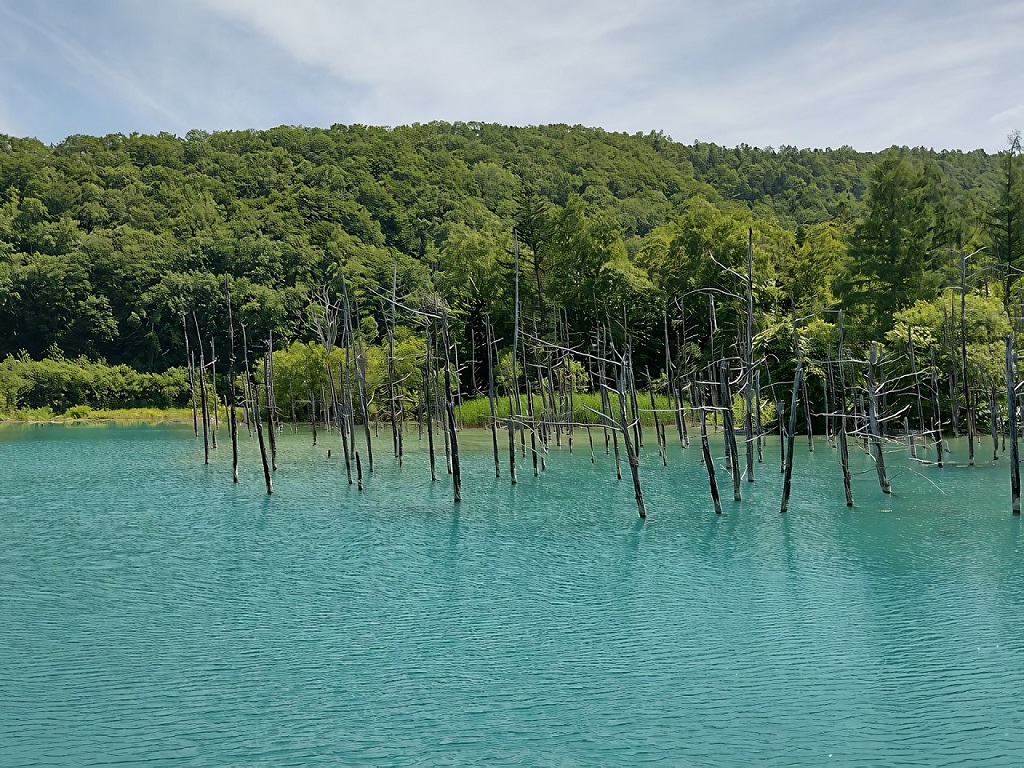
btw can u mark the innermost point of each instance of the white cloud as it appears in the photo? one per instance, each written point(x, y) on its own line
point(870, 81)
point(787, 71)
point(1013, 113)
point(804, 72)
point(457, 57)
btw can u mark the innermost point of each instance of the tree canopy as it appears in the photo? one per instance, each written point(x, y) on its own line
point(107, 242)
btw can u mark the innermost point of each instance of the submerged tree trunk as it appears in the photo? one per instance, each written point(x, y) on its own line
point(709, 463)
point(844, 448)
point(634, 463)
point(936, 413)
point(202, 393)
point(268, 385)
point(748, 361)
point(190, 369)
point(256, 414)
point(874, 432)
point(787, 482)
point(450, 408)
point(352, 323)
point(428, 403)
point(232, 395)
point(491, 397)
point(993, 408)
point(968, 404)
point(1011, 413)
point(730, 431)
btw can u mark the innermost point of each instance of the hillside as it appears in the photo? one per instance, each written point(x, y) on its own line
point(105, 242)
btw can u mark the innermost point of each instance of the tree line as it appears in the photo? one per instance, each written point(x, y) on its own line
point(108, 243)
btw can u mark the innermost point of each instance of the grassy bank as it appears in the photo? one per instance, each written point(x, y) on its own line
point(83, 413)
point(476, 412)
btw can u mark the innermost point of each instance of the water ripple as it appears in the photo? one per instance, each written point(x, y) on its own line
point(154, 613)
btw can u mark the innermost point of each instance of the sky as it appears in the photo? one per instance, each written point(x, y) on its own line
point(945, 74)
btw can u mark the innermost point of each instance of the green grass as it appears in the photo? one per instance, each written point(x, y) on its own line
point(587, 407)
point(84, 413)
point(475, 412)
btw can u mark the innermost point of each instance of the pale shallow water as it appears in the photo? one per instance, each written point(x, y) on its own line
point(152, 612)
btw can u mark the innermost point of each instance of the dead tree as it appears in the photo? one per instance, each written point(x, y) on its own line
point(232, 399)
point(1011, 413)
point(748, 361)
point(256, 414)
point(634, 463)
point(787, 482)
point(709, 463)
point(873, 430)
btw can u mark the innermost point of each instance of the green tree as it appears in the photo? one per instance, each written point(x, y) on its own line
point(890, 247)
point(1007, 221)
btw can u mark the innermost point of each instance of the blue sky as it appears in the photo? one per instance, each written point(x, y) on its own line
point(810, 73)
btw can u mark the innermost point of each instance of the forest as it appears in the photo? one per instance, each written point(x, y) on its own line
point(123, 256)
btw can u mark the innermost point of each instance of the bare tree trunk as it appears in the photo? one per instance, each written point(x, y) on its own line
point(844, 448)
point(936, 414)
point(391, 362)
point(360, 361)
point(758, 426)
point(213, 394)
point(256, 415)
point(533, 423)
point(876, 441)
point(963, 348)
point(748, 361)
point(808, 415)
point(787, 482)
point(993, 409)
point(730, 431)
point(780, 412)
point(709, 462)
point(1011, 412)
point(190, 364)
point(491, 397)
point(844, 457)
point(233, 400)
point(268, 378)
point(657, 421)
point(917, 380)
point(428, 402)
point(450, 408)
point(634, 464)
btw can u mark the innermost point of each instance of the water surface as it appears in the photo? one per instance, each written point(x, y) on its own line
point(151, 611)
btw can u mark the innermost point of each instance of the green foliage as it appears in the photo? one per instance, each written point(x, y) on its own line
point(891, 250)
point(928, 323)
point(30, 414)
point(63, 384)
point(1006, 222)
point(476, 412)
point(108, 243)
point(303, 372)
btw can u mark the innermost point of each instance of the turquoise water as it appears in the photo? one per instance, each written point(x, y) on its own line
point(150, 611)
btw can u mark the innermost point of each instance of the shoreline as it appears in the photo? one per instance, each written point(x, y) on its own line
point(100, 416)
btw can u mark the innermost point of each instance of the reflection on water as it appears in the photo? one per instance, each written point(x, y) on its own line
point(152, 611)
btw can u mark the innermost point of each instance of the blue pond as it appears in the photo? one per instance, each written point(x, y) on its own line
point(152, 612)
